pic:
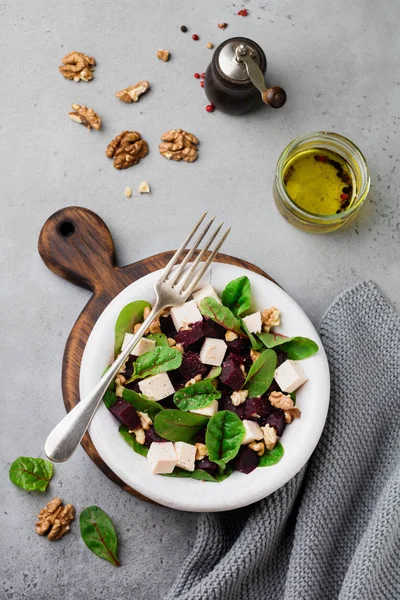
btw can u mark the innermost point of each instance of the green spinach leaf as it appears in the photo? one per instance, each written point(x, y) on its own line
point(141, 403)
point(209, 307)
point(156, 361)
point(109, 399)
point(178, 426)
point(199, 474)
point(261, 374)
point(224, 435)
point(296, 348)
point(237, 295)
point(131, 440)
point(31, 473)
point(271, 457)
point(98, 533)
point(256, 344)
point(214, 373)
point(159, 338)
point(198, 395)
point(128, 317)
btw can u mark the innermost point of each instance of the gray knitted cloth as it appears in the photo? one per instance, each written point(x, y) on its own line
point(333, 531)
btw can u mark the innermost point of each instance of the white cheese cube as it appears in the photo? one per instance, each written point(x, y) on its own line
point(157, 387)
point(207, 411)
point(289, 376)
point(162, 457)
point(253, 432)
point(140, 348)
point(185, 455)
point(184, 315)
point(253, 322)
point(206, 292)
point(212, 352)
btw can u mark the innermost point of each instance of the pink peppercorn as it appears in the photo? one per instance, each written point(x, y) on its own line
point(244, 12)
point(202, 83)
point(195, 37)
point(197, 75)
point(203, 75)
point(210, 108)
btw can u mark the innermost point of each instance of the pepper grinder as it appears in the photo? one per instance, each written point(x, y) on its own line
point(234, 80)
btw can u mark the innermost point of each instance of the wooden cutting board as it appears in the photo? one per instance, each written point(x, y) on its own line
point(77, 245)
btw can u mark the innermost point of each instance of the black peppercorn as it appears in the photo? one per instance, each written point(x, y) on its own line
point(184, 28)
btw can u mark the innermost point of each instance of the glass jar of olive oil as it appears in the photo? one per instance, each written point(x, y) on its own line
point(321, 181)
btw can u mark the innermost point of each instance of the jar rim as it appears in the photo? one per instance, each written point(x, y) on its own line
point(356, 154)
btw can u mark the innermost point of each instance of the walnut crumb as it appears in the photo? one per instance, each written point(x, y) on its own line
point(258, 447)
point(230, 336)
point(239, 397)
point(210, 45)
point(271, 317)
point(145, 420)
point(243, 370)
point(201, 451)
point(163, 55)
point(128, 192)
point(292, 413)
point(194, 380)
point(279, 400)
point(270, 437)
point(144, 188)
point(133, 92)
point(155, 324)
point(180, 348)
point(254, 354)
point(85, 116)
point(139, 435)
point(119, 388)
point(171, 342)
point(137, 327)
point(54, 519)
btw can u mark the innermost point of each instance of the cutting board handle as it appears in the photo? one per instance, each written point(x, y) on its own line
point(77, 245)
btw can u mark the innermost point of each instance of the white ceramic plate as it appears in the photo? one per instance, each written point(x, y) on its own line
point(299, 439)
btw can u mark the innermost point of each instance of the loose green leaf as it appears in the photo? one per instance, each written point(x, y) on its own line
point(256, 344)
point(156, 361)
point(293, 397)
point(296, 348)
point(261, 374)
point(98, 533)
point(209, 307)
point(142, 403)
point(128, 317)
point(109, 399)
point(31, 473)
point(199, 474)
point(237, 295)
point(178, 426)
point(214, 373)
point(159, 338)
point(198, 395)
point(271, 457)
point(224, 435)
point(131, 440)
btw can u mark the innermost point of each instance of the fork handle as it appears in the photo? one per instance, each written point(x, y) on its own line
point(66, 436)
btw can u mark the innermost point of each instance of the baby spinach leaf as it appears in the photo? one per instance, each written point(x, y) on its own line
point(261, 374)
point(98, 533)
point(209, 307)
point(159, 338)
point(199, 474)
point(141, 403)
point(109, 398)
point(271, 457)
point(196, 396)
point(131, 440)
point(156, 361)
point(296, 348)
point(224, 435)
point(31, 473)
point(214, 373)
point(237, 295)
point(178, 426)
point(256, 344)
point(131, 314)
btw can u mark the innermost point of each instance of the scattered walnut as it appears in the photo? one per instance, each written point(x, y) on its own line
point(171, 342)
point(292, 413)
point(201, 451)
point(77, 66)
point(144, 188)
point(258, 447)
point(243, 370)
point(155, 325)
point(145, 420)
point(281, 401)
point(119, 388)
point(85, 116)
point(137, 327)
point(194, 380)
point(133, 92)
point(254, 354)
point(128, 192)
point(177, 144)
point(180, 348)
point(127, 149)
point(271, 317)
point(270, 437)
point(163, 55)
point(210, 45)
point(222, 25)
point(139, 435)
point(239, 397)
point(55, 519)
point(230, 336)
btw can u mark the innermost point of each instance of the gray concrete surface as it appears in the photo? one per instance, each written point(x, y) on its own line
point(339, 64)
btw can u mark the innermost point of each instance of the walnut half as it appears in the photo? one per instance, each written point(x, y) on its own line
point(54, 519)
point(127, 149)
point(132, 93)
point(177, 144)
point(77, 66)
point(85, 116)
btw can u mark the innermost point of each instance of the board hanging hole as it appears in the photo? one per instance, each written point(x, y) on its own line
point(67, 229)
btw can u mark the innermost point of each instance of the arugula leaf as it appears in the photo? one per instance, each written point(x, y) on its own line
point(271, 457)
point(98, 533)
point(131, 440)
point(224, 435)
point(178, 426)
point(109, 399)
point(128, 317)
point(261, 374)
point(209, 307)
point(237, 295)
point(159, 338)
point(198, 395)
point(156, 361)
point(31, 473)
point(296, 348)
point(200, 474)
point(142, 403)
point(214, 373)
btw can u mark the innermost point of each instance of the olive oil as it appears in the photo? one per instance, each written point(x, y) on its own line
point(319, 181)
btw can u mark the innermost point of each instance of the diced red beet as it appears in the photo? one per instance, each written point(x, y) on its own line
point(212, 329)
point(275, 419)
point(129, 366)
point(152, 436)
point(201, 436)
point(176, 379)
point(255, 408)
point(226, 404)
point(126, 414)
point(167, 326)
point(238, 359)
point(207, 465)
point(191, 366)
point(274, 387)
point(232, 375)
point(239, 346)
point(246, 460)
point(190, 336)
point(281, 357)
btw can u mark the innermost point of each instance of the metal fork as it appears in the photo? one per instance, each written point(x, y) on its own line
point(172, 289)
